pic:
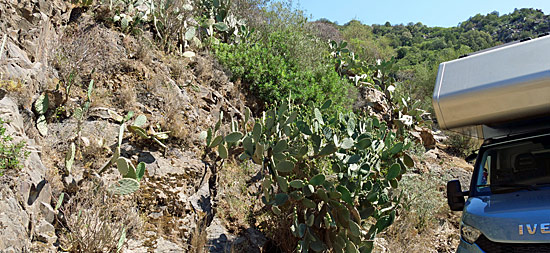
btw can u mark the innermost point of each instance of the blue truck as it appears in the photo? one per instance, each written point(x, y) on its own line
point(502, 96)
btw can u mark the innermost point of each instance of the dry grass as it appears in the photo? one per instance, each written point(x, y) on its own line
point(240, 207)
point(236, 202)
point(54, 178)
point(94, 221)
point(127, 96)
point(424, 222)
point(173, 118)
point(199, 237)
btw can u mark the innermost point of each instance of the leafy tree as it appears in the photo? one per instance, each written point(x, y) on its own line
point(420, 49)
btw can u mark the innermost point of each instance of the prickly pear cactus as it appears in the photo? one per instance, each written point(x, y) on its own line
point(127, 169)
point(131, 177)
point(124, 186)
point(329, 172)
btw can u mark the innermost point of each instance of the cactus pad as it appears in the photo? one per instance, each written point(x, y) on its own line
point(124, 186)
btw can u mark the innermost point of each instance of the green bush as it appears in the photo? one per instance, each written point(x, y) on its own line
point(283, 58)
point(273, 73)
point(11, 152)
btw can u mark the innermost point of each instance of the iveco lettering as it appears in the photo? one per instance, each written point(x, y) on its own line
point(502, 96)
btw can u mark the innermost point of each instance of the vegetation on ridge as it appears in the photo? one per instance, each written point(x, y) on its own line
point(331, 175)
point(418, 49)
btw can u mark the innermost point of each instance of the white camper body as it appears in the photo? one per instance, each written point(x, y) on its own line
point(503, 95)
point(501, 84)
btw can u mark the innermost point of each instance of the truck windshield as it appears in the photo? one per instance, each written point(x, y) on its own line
point(520, 165)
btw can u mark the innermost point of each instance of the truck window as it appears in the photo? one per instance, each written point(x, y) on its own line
point(515, 165)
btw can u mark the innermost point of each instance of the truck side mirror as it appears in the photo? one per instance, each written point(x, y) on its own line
point(455, 196)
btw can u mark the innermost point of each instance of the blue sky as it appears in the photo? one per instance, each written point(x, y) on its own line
point(442, 13)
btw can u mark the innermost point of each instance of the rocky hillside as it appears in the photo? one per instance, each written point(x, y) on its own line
point(55, 49)
point(74, 89)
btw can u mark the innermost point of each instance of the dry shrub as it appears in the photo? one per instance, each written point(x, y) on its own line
point(86, 47)
point(173, 16)
point(277, 229)
point(424, 222)
point(20, 90)
point(250, 10)
point(241, 208)
point(94, 221)
point(461, 145)
point(127, 96)
point(173, 119)
point(93, 154)
point(234, 206)
point(199, 237)
point(326, 30)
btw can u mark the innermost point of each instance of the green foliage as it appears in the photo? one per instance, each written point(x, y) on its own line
point(168, 20)
point(121, 240)
point(127, 169)
point(124, 186)
point(419, 49)
point(138, 128)
point(332, 173)
point(475, 39)
point(131, 14)
point(174, 22)
point(520, 24)
point(11, 153)
point(80, 113)
point(363, 42)
point(422, 199)
point(59, 201)
point(402, 110)
point(131, 176)
point(283, 59)
point(273, 74)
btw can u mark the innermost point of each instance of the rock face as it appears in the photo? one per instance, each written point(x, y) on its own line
point(31, 29)
point(25, 211)
point(372, 101)
point(424, 136)
point(13, 223)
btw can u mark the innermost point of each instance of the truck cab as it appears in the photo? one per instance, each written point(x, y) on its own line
point(508, 205)
point(502, 96)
